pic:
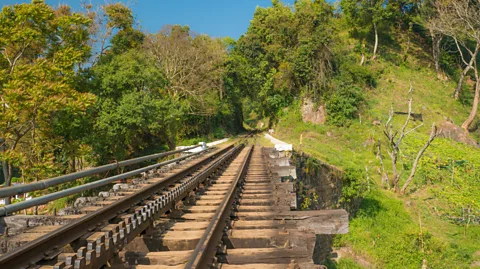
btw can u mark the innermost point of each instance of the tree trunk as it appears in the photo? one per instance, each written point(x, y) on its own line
point(376, 41)
point(171, 142)
point(456, 95)
point(433, 134)
point(394, 170)
point(382, 166)
point(6, 168)
point(473, 112)
point(71, 165)
point(8, 178)
point(470, 65)
point(5, 171)
point(436, 41)
point(405, 55)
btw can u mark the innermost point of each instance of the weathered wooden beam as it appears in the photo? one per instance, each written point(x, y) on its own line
point(316, 221)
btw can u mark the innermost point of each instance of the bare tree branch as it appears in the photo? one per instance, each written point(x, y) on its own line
point(433, 133)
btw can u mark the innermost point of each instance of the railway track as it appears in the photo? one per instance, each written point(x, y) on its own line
point(223, 209)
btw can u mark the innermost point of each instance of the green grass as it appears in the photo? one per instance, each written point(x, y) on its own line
point(260, 140)
point(387, 229)
point(344, 263)
point(386, 233)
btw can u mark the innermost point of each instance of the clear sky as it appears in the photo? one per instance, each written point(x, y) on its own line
point(217, 18)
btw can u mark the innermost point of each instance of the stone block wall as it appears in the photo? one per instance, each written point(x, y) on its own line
point(326, 182)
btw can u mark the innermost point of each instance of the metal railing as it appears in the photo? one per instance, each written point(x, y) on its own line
point(92, 185)
point(43, 184)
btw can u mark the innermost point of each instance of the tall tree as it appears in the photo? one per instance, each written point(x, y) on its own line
point(366, 14)
point(40, 47)
point(285, 52)
point(192, 64)
point(427, 15)
point(133, 107)
point(460, 20)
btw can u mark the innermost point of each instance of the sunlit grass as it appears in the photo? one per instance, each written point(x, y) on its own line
point(390, 237)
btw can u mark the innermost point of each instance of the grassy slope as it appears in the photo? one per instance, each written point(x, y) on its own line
point(387, 229)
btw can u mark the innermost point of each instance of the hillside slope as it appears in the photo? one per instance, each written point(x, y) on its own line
point(431, 222)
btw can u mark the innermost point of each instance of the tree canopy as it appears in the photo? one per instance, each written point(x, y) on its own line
point(40, 50)
point(285, 52)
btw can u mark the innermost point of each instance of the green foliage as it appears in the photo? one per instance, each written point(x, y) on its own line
point(382, 229)
point(362, 15)
point(435, 194)
point(132, 71)
point(59, 204)
point(354, 187)
point(130, 124)
point(133, 112)
point(348, 96)
point(350, 73)
point(63, 110)
point(38, 43)
point(343, 105)
point(451, 175)
point(285, 52)
point(126, 40)
point(119, 16)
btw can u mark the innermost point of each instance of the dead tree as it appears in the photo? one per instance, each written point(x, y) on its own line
point(433, 133)
point(394, 138)
point(381, 170)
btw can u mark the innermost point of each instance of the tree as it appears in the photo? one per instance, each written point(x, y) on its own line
point(112, 29)
point(460, 20)
point(40, 48)
point(133, 106)
point(363, 14)
point(433, 134)
point(285, 53)
point(121, 17)
point(192, 64)
point(427, 15)
point(394, 140)
point(134, 112)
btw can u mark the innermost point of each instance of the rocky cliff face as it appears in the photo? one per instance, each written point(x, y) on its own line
point(312, 113)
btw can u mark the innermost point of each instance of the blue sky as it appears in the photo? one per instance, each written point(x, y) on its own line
point(216, 18)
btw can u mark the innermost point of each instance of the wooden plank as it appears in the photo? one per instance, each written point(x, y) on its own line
point(168, 258)
point(266, 255)
point(315, 221)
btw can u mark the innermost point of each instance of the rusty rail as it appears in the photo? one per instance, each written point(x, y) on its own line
point(205, 250)
point(49, 244)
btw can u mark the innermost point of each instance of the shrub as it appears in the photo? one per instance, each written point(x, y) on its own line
point(353, 189)
point(343, 105)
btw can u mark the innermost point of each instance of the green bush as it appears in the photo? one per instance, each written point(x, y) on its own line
point(219, 132)
point(343, 105)
point(353, 189)
point(350, 73)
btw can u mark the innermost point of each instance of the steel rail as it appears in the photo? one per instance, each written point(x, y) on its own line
point(39, 248)
point(43, 184)
point(205, 250)
point(92, 185)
